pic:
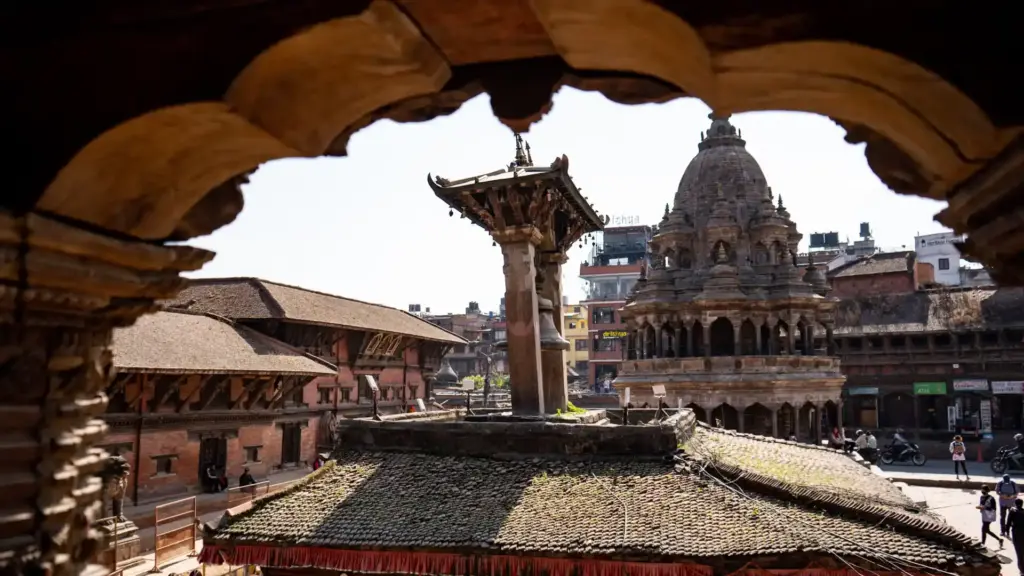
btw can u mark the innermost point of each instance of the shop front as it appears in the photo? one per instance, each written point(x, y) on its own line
point(970, 413)
point(931, 405)
point(1007, 404)
point(861, 406)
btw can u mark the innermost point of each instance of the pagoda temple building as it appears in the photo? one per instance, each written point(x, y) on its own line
point(725, 320)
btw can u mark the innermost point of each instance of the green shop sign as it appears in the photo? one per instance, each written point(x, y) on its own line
point(930, 388)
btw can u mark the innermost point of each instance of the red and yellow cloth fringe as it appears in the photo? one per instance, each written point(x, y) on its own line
point(437, 563)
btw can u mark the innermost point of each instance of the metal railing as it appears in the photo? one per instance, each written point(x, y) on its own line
point(174, 531)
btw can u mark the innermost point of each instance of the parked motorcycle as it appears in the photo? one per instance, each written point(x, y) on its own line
point(910, 454)
point(1003, 463)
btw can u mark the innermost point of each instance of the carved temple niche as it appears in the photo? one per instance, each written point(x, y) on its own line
point(759, 254)
point(723, 339)
point(748, 338)
point(684, 258)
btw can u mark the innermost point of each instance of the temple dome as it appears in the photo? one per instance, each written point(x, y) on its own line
point(722, 160)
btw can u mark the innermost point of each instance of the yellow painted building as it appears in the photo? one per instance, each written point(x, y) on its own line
point(576, 325)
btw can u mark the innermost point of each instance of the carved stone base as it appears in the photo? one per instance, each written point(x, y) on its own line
point(62, 291)
point(123, 547)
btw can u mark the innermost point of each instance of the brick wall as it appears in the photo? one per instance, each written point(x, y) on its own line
point(873, 284)
point(184, 477)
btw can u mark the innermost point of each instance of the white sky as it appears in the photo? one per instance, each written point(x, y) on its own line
point(368, 227)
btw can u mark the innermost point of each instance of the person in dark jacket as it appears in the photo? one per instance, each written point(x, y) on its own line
point(1015, 528)
point(987, 506)
point(246, 478)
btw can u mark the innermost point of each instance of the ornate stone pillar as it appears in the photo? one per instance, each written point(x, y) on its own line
point(689, 341)
point(659, 342)
point(63, 290)
point(642, 352)
point(790, 337)
point(741, 415)
point(737, 343)
point(677, 341)
point(775, 421)
point(772, 338)
point(555, 385)
point(809, 339)
point(757, 338)
point(830, 340)
point(706, 335)
point(518, 247)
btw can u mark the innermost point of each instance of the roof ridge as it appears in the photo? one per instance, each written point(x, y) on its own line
point(438, 326)
point(933, 531)
point(760, 438)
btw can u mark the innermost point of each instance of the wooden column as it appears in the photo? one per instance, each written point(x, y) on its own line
point(518, 247)
point(63, 290)
point(555, 385)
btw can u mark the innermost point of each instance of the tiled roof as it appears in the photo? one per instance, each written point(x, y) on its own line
point(931, 311)
point(253, 298)
point(718, 500)
point(186, 342)
point(884, 263)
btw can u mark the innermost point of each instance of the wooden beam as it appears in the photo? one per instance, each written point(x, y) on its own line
point(218, 387)
point(262, 390)
point(191, 396)
point(287, 388)
point(175, 382)
point(247, 384)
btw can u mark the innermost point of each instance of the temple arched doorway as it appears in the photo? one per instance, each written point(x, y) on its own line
point(757, 419)
point(725, 416)
point(650, 341)
point(785, 418)
point(723, 339)
point(800, 336)
point(780, 338)
point(698, 412)
point(766, 339)
point(810, 423)
point(698, 339)
point(830, 414)
point(748, 338)
point(684, 338)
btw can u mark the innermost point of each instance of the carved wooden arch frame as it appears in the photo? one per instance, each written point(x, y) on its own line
point(304, 97)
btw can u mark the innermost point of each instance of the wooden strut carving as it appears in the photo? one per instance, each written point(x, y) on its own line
point(59, 302)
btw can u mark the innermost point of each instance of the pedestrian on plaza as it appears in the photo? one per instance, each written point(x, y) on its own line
point(987, 506)
point(836, 439)
point(1015, 527)
point(1007, 491)
point(959, 451)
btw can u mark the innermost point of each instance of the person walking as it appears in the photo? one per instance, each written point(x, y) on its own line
point(1007, 491)
point(1015, 528)
point(959, 451)
point(987, 506)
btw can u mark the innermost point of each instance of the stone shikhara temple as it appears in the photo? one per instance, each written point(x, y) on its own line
point(649, 492)
point(726, 321)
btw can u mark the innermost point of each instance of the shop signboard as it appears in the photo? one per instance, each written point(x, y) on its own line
point(970, 385)
point(863, 391)
point(929, 388)
point(985, 416)
point(1008, 386)
point(613, 334)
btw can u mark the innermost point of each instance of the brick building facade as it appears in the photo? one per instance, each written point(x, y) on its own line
point(243, 373)
point(194, 390)
point(882, 273)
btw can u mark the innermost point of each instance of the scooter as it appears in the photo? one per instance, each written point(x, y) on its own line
point(909, 453)
point(869, 454)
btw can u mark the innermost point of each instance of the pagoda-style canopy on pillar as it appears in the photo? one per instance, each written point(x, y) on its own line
point(446, 375)
point(726, 320)
point(535, 214)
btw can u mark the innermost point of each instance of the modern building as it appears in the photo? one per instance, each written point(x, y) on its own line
point(616, 262)
point(727, 323)
point(941, 252)
point(478, 329)
point(576, 323)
